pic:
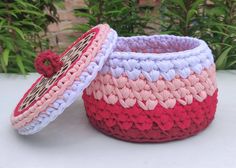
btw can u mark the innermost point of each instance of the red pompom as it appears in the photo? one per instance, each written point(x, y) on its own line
point(48, 63)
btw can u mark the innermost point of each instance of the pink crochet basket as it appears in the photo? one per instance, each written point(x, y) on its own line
point(140, 89)
point(154, 89)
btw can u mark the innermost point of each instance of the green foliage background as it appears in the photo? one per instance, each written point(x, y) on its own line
point(123, 16)
point(23, 24)
point(212, 21)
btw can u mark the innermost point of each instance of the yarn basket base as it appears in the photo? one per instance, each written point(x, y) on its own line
point(158, 125)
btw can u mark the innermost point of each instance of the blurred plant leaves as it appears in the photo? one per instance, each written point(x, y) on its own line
point(20, 64)
point(124, 16)
point(5, 56)
point(222, 58)
point(212, 21)
point(22, 24)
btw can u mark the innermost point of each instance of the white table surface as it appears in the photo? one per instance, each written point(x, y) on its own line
point(71, 142)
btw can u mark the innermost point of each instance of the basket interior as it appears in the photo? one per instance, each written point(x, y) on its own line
point(156, 44)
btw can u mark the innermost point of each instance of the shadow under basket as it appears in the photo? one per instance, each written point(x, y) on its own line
point(154, 89)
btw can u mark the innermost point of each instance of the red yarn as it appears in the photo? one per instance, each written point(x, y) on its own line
point(48, 63)
point(158, 125)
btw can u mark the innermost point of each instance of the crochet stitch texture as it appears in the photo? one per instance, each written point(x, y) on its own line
point(154, 89)
point(69, 88)
point(48, 63)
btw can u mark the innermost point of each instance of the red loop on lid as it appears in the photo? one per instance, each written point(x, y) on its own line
point(48, 63)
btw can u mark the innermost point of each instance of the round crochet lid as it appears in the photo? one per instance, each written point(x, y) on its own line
point(48, 97)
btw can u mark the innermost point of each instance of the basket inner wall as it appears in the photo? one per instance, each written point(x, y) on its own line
point(155, 44)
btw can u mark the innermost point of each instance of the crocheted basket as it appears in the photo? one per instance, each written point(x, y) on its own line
point(154, 89)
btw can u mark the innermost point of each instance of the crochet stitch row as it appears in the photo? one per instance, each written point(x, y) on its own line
point(69, 87)
point(158, 125)
point(168, 56)
point(149, 94)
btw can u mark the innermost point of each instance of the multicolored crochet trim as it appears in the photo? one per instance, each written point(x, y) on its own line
point(67, 89)
point(154, 89)
point(147, 94)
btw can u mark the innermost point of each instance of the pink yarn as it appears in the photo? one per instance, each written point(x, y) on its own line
point(148, 94)
point(21, 118)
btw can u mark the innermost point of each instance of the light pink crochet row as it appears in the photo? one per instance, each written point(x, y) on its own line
point(148, 94)
point(72, 75)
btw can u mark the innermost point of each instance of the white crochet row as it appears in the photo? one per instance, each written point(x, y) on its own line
point(158, 55)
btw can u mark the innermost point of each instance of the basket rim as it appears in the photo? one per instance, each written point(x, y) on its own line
point(202, 47)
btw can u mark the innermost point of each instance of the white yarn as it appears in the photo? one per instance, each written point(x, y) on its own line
point(168, 56)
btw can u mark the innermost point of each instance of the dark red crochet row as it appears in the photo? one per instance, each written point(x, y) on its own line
point(158, 125)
